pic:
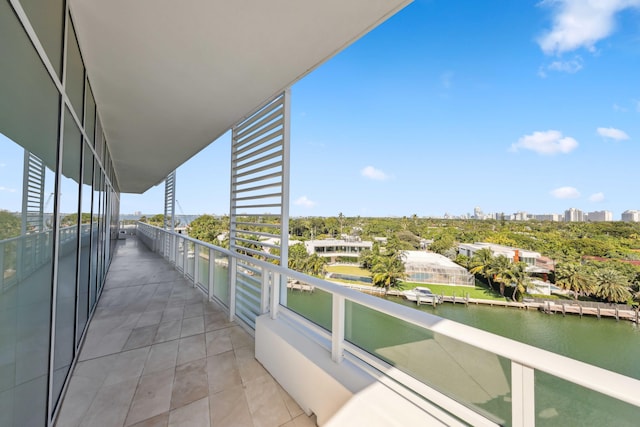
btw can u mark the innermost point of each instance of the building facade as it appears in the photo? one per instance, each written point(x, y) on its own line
point(599, 216)
point(630, 216)
point(59, 221)
point(573, 215)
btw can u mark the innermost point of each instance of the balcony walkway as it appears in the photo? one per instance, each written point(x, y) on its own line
point(157, 353)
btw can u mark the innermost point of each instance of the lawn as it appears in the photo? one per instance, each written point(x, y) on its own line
point(352, 270)
point(479, 291)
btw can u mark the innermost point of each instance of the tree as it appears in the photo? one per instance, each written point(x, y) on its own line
point(368, 257)
point(10, 225)
point(611, 285)
point(520, 279)
point(575, 278)
point(481, 264)
point(388, 272)
point(442, 244)
point(315, 265)
point(502, 271)
point(298, 257)
point(206, 228)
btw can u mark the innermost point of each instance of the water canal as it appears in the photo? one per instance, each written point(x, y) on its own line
point(607, 343)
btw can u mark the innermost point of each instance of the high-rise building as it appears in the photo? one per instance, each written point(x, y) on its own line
point(573, 215)
point(599, 216)
point(630, 216)
point(477, 213)
point(548, 217)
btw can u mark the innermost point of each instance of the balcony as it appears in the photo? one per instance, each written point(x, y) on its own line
point(161, 348)
point(157, 352)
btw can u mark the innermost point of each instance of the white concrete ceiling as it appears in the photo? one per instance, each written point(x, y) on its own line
point(169, 77)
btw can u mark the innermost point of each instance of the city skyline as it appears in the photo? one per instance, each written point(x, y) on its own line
point(450, 105)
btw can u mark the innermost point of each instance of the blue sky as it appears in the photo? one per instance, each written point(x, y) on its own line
point(506, 105)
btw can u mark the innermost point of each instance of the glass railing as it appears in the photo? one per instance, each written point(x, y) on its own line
point(21, 256)
point(478, 377)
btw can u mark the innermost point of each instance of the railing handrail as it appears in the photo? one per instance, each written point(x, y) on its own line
point(610, 383)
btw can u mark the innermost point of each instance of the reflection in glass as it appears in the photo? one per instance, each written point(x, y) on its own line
point(471, 376)
point(221, 278)
point(85, 243)
point(68, 190)
point(29, 114)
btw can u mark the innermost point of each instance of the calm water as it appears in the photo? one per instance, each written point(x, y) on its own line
point(602, 342)
point(588, 339)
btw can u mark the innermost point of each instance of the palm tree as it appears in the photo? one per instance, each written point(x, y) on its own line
point(573, 277)
point(481, 263)
point(502, 272)
point(611, 285)
point(388, 272)
point(315, 265)
point(520, 279)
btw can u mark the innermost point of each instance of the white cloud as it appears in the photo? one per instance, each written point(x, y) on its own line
point(638, 106)
point(565, 193)
point(2, 165)
point(571, 67)
point(546, 142)
point(304, 202)
point(373, 173)
point(581, 23)
point(8, 190)
point(617, 107)
point(596, 197)
point(613, 133)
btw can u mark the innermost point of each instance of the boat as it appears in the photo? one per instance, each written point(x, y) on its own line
point(424, 294)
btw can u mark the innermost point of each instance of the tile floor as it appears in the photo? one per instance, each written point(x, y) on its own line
point(157, 353)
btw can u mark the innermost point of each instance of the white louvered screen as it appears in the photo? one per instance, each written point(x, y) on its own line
point(169, 211)
point(259, 212)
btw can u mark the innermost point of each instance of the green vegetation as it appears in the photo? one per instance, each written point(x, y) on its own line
point(300, 260)
point(9, 225)
point(352, 270)
point(480, 291)
point(385, 263)
point(578, 249)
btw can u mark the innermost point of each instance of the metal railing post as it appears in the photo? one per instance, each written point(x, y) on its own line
point(523, 395)
point(275, 295)
point(212, 271)
point(337, 328)
point(233, 267)
point(185, 257)
point(196, 264)
point(264, 291)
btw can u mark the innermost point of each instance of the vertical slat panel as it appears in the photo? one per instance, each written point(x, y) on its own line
point(169, 211)
point(259, 205)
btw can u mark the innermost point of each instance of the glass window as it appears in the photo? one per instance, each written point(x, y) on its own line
point(29, 113)
point(47, 19)
point(90, 115)
point(85, 241)
point(64, 344)
point(75, 73)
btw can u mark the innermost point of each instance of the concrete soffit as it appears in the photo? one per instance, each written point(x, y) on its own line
point(171, 77)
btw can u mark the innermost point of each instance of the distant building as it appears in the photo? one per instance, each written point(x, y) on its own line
point(630, 216)
point(548, 217)
point(429, 267)
point(334, 249)
point(513, 254)
point(598, 216)
point(573, 215)
point(477, 213)
point(520, 216)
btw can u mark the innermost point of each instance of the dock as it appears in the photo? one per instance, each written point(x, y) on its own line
point(547, 307)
